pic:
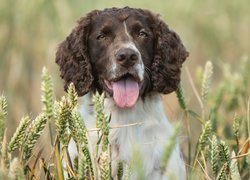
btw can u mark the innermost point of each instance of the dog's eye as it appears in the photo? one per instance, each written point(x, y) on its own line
point(142, 34)
point(100, 36)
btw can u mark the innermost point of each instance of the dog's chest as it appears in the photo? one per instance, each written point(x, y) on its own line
point(143, 128)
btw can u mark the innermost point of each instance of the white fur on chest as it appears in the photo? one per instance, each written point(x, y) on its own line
point(149, 134)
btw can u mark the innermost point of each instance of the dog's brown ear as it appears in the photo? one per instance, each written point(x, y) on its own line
point(170, 53)
point(73, 59)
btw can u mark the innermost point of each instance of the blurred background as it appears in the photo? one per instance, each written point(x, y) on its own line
point(31, 30)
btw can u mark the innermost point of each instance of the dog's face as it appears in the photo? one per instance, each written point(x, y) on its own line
point(123, 48)
point(124, 52)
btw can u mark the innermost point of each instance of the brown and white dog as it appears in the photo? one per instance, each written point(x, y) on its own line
point(133, 57)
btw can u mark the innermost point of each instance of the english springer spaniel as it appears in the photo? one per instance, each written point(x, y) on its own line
point(133, 57)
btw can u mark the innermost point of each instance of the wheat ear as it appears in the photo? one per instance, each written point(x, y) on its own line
point(35, 133)
point(214, 155)
point(206, 80)
point(20, 134)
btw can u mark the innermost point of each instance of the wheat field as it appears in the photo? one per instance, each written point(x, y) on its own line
point(211, 108)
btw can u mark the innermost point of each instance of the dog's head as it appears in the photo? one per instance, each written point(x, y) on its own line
point(125, 52)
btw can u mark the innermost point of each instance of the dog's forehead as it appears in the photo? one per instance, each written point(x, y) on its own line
point(117, 18)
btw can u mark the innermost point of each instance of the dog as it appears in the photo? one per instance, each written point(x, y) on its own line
point(133, 57)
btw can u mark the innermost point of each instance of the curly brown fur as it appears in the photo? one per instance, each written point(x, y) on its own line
point(73, 59)
point(169, 56)
point(163, 63)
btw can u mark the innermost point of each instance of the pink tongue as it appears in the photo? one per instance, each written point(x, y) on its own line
point(125, 92)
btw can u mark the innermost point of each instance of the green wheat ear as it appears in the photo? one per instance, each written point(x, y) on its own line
point(88, 167)
point(203, 139)
point(214, 155)
point(101, 119)
point(236, 127)
point(224, 154)
point(47, 93)
point(5, 156)
point(206, 80)
point(99, 108)
point(63, 114)
point(223, 173)
point(72, 95)
point(234, 171)
point(83, 167)
point(34, 134)
point(3, 105)
point(20, 134)
point(77, 128)
point(169, 148)
point(3, 116)
point(120, 170)
point(104, 162)
point(181, 98)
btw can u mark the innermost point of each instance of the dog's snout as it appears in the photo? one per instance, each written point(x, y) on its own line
point(126, 57)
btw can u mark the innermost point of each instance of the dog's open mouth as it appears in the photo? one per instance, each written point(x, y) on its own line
point(125, 90)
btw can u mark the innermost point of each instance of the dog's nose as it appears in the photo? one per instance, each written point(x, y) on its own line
point(126, 57)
